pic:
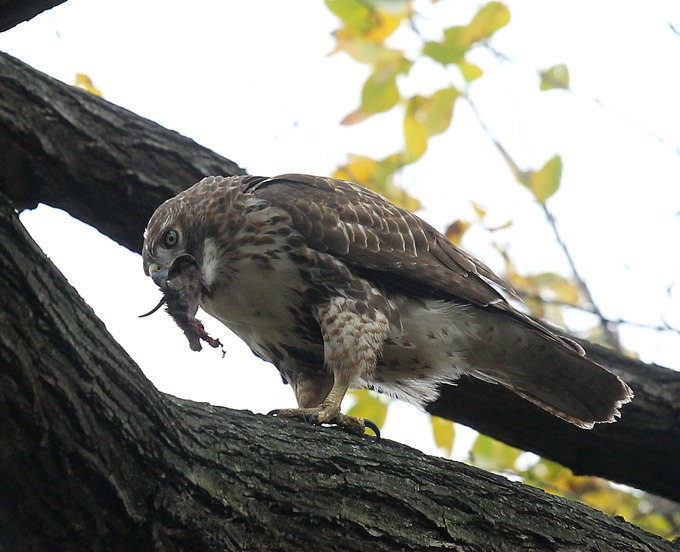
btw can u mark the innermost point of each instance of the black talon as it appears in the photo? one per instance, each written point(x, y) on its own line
point(274, 412)
point(160, 304)
point(374, 428)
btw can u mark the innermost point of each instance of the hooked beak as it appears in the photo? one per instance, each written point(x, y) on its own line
point(159, 275)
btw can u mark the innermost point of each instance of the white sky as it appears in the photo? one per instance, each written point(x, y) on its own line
point(253, 81)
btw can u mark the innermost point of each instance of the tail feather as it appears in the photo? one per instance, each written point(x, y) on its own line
point(546, 370)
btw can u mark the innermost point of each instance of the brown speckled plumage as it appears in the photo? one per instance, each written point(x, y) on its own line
point(338, 287)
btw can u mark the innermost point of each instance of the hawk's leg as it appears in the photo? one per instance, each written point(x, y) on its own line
point(352, 343)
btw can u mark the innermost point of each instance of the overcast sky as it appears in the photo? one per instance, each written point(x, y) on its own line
point(253, 81)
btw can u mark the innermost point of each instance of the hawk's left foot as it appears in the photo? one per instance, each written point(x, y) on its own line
point(328, 415)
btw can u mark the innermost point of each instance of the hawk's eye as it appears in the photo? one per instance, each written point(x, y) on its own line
point(170, 239)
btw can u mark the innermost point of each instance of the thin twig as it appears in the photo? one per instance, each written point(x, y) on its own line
point(675, 148)
point(610, 333)
point(663, 327)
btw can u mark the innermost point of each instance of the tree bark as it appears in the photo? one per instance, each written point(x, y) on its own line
point(64, 147)
point(13, 12)
point(95, 458)
point(111, 168)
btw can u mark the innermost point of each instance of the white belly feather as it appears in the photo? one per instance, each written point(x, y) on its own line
point(429, 348)
point(430, 351)
point(257, 302)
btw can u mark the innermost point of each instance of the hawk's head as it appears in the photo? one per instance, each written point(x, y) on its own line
point(172, 254)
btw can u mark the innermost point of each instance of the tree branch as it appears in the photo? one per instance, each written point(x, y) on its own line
point(13, 12)
point(67, 148)
point(95, 458)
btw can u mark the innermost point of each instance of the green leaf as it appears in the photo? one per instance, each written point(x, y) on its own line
point(354, 13)
point(555, 77)
point(425, 117)
point(380, 92)
point(493, 455)
point(563, 290)
point(444, 433)
point(458, 40)
point(368, 20)
point(436, 111)
point(451, 50)
point(546, 181)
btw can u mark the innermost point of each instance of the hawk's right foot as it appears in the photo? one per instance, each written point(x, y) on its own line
point(328, 415)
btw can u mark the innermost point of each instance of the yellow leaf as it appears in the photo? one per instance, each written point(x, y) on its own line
point(456, 230)
point(368, 405)
point(377, 175)
point(470, 71)
point(546, 181)
point(359, 169)
point(85, 82)
point(555, 77)
point(487, 21)
point(415, 131)
point(443, 432)
point(479, 210)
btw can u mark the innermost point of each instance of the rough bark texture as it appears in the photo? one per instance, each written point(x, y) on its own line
point(93, 457)
point(62, 146)
point(13, 12)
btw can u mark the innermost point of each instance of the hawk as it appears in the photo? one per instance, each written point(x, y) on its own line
point(338, 288)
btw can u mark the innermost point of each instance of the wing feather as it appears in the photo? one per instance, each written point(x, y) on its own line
point(388, 244)
point(371, 234)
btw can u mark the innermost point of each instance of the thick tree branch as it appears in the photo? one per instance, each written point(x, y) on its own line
point(104, 165)
point(13, 12)
point(116, 190)
point(95, 458)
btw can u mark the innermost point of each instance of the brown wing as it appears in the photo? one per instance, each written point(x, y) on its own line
point(373, 235)
point(386, 243)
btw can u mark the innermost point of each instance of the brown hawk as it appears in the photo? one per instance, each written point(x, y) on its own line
point(339, 288)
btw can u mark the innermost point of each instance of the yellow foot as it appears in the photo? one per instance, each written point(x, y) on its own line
point(324, 415)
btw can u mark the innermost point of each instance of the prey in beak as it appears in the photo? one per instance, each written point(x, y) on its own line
point(182, 287)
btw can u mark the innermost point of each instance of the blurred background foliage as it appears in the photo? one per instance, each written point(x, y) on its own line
point(365, 27)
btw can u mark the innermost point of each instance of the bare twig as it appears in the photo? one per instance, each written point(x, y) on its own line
point(610, 331)
point(663, 327)
point(675, 148)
